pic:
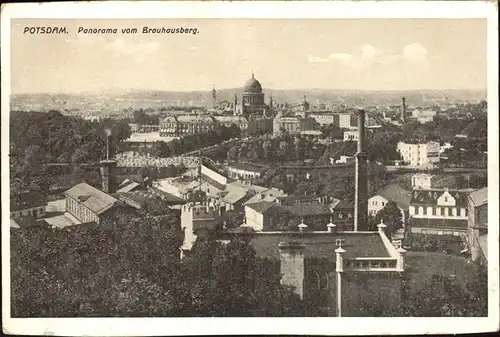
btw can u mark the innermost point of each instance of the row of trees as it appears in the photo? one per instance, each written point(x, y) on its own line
point(130, 266)
point(38, 138)
point(193, 142)
point(142, 117)
point(275, 149)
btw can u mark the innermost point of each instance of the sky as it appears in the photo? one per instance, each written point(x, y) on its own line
point(345, 54)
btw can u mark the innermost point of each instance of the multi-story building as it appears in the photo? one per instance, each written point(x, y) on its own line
point(438, 211)
point(424, 116)
point(419, 154)
point(187, 125)
point(325, 118)
point(244, 171)
point(392, 192)
point(240, 121)
point(350, 135)
point(335, 272)
point(477, 233)
point(422, 181)
point(26, 205)
point(293, 125)
point(88, 204)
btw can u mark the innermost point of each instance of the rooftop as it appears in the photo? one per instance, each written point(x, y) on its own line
point(396, 193)
point(318, 244)
point(92, 198)
point(430, 197)
point(247, 167)
point(479, 197)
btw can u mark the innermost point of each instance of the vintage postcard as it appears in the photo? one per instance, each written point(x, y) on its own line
point(204, 168)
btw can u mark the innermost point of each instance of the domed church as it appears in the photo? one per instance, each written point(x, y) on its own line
point(252, 100)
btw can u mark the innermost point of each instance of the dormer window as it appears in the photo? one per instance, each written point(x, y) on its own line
point(445, 199)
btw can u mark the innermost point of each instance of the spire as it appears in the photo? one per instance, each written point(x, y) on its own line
point(253, 75)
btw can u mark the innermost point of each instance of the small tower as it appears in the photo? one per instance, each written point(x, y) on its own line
point(270, 105)
point(108, 168)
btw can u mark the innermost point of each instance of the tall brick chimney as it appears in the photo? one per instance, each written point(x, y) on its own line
point(361, 193)
point(108, 168)
point(403, 110)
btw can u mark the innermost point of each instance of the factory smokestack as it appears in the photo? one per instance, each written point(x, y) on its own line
point(403, 110)
point(361, 193)
point(108, 167)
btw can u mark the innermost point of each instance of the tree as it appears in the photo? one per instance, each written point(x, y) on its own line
point(197, 196)
point(391, 216)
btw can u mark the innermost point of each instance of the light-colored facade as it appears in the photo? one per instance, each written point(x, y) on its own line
point(243, 171)
point(477, 229)
point(35, 211)
point(439, 211)
point(422, 181)
point(187, 125)
point(293, 125)
point(351, 135)
point(419, 154)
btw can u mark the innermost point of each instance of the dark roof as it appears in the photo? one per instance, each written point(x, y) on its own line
point(344, 204)
point(439, 223)
point(29, 221)
point(309, 208)
point(396, 193)
point(429, 197)
point(318, 244)
point(247, 167)
point(265, 206)
point(295, 198)
point(95, 200)
point(25, 201)
point(479, 197)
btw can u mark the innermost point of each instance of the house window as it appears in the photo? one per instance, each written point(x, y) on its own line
point(434, 210)
point(425, 211)
point(442, 211)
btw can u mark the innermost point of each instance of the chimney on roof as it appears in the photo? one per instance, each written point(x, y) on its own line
point(108, 167)
point(361, 192)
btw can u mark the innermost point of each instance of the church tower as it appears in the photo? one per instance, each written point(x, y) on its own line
point(235, 105)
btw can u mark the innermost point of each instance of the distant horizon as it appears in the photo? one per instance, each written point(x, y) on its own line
point(264, 90)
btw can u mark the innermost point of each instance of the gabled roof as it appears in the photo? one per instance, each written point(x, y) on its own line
point(429, 197)
point(270, 195)
point(127, 186)
point(396, 193)
point(344, 204)
point(309, 208)
point(95, 200)
point(479, 197)
point(265, 206)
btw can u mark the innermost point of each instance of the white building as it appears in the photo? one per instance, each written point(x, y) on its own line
point(422, 181)
point(439, 211)
point(391, 192)
point(419, 154)
point(345, 120)
point(424, 116)
point(351, 135)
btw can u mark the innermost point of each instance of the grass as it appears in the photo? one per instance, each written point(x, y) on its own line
point(422, 266)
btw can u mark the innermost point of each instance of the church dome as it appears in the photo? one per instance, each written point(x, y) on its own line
point(253, 86)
